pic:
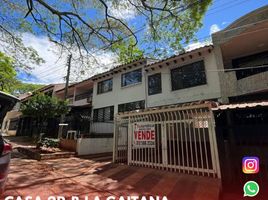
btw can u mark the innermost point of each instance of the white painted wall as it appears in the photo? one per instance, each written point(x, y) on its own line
point(139, 92)
point(119, 94)
point(102, 127)
point(87, 146)
point(209, 91)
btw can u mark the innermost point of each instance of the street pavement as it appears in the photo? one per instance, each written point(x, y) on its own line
point(99, 177)
point(90, 177)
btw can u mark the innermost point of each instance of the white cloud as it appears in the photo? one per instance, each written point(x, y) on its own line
point(122, 10)
point(54, 69)
point(214, 28)
point(197, 45)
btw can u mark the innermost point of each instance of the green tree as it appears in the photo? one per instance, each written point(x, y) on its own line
point(43, 107)
point(127, 51)
point(21, 87)
point(88, 25)
point(7, 73)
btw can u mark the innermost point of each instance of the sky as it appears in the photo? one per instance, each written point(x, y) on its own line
point(221, 14)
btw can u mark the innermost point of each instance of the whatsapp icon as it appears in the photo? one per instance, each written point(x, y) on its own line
point(251, 189)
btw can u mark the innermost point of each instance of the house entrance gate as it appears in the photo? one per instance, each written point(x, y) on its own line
point(178, 138)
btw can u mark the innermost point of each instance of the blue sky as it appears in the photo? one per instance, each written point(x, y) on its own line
point(221, 14)
point(224, 12)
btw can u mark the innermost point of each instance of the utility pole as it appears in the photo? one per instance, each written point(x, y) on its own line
point(67, 76)
point(61, 125)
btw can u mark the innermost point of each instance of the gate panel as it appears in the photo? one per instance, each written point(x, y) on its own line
point(120, 154)
point(183, 140)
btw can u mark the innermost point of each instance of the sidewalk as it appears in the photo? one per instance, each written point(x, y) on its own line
point(89, 177)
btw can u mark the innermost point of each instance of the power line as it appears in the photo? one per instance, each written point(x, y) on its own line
point(144, 26)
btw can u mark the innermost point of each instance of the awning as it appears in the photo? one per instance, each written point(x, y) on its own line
point(241, 105)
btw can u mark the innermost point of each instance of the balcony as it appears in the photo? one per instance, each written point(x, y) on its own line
point(83, 99)
point(83, 96)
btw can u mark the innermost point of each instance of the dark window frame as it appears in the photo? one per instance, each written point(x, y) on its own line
point(184, 73)
point(100, 113)
point(250, 61)
point(100, 86)
point(159, 89)
point(123, 79)
point(126, 107)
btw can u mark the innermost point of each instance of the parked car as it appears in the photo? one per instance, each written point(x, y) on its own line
point(7, 102)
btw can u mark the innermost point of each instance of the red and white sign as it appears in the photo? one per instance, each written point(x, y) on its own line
point(144, 135)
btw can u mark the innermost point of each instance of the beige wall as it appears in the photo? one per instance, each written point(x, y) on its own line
point(246, 36)
point(5, 125)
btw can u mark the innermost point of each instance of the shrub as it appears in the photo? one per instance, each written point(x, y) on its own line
point(50, 142)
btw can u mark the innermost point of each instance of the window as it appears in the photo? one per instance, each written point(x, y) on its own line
point(132, 77)
point(154, 84)
point(188, 76)
point(131, 106)
point(260, 59)
point(105, 86)
point(103, 114)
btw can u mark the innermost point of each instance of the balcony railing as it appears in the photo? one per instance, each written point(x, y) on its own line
point(83, 96)
point(70, 100)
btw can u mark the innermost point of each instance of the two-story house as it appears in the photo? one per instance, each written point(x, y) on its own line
point(189, 76)
point(242, 58)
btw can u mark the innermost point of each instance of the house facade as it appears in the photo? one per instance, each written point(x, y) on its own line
point(79, 97)
point(146, 83)
point(14, 123)
point(187, 77)
point(242, 58)
point(118, 90)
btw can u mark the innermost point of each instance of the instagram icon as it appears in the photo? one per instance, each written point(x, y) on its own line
point(250, 165)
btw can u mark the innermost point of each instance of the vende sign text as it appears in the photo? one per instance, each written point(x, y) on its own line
point(144, 135)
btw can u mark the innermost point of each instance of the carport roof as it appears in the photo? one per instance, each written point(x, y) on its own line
point(241, 105)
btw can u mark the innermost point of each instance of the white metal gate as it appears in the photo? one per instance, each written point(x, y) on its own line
point(184, 140)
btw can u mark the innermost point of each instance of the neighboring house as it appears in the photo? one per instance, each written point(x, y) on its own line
point(10, 122)
point(49, 90)
point(79, 97)
point(16, 124)
point(242, 58)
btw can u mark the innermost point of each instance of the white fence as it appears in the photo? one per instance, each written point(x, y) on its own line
point(180, 139)
point(89, 146)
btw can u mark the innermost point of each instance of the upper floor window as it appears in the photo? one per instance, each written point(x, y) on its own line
point(105, 86)
point(132, 77)
point(251, 65)
point(154, 84)
point(188, 76)
point(131, 106)
point(103, 114)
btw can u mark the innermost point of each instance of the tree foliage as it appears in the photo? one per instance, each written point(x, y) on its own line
point(8, 78)
point(43, 107)
point(21, 87)
point(92, 25)
point(7, 73)
point(127, 51)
